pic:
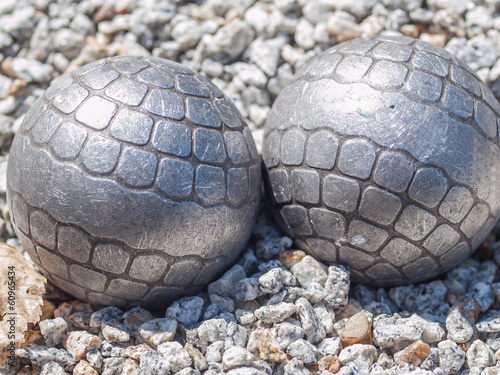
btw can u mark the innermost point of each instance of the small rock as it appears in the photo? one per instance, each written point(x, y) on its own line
point(295, 367)
point(214, 352)
point(130, 367)
point(432, 360)
point(236, 357)
point(329, 363)
point(451, 357)
point(111, 349)
point(459, 328)
point(287, 333)
point(432, 331)
point(310, 270)
point(289, 258)
point(53, 368)
point(413, 354)
point(84, 368)
point(199, 360)
point(236, 335)
point(152, 363)
point(158, 331)
point(304, 34)
point(113, 366)
point(53, 331)
point(31, 70)
point(337, 287)
point(81, 320)
point(489, 326)
point(115, 332)
point(212, 330)
point(79, 343)
point(389, 331)
point(314, 292)
point(94, 358)
point(269, 348)
point(330, 345)
point(187, 34)
point(136, 317)
point(247, 289)
point(312, 327)
point(343, 26)
point(385, 361)
point(276, 313)
point(425, 296)
point(39, 355)
point(302, 350)
point(265, 53)
point(479, 354)
point(225, 286)
point(188, 371)
point(469, 310)
point(244, 316)
point(356, 331)
point(232, 38)
point(482, 294)
point(177, 357)
point(103, 315)
point(358, 352)
point(69, 42)
point(272, 281)
point(186, 310)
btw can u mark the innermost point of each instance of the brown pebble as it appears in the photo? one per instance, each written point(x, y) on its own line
point(17, 87)
point(84, 368)
point(289, 258)
point(413, 354)
point(6, 67)
point(329, 363)
point(104, 13)
point(357, 330)
point(270, 349)
point(469, 309)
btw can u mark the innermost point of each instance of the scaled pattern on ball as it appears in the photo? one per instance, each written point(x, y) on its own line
point(133, 181)
point(383, 154)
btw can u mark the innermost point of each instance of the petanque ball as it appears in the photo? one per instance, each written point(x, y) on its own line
point(383, 154)
point(133, 181)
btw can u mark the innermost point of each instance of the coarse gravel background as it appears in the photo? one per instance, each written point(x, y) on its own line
point(276, 311)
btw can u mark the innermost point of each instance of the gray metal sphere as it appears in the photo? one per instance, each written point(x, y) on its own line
point(133, 181)
point(383, 154)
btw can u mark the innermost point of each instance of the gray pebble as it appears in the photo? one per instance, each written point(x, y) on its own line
point(52, 368)
point(310, 323)
point(302, 350)
point(177, 357)
point(459, 329)
point(451, 357)
point(275, 313)
point(186, 310)
point(287, 333)
point(53, 331)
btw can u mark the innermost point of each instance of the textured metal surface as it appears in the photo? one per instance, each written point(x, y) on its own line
point(383, 154)
point(133, 181)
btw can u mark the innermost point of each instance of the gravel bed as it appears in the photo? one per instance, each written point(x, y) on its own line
point(277, 311)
